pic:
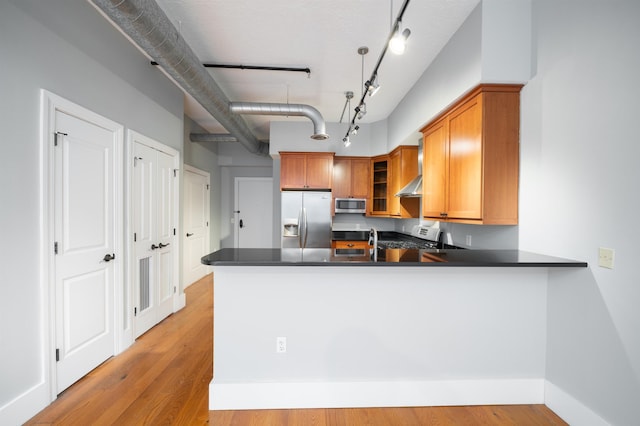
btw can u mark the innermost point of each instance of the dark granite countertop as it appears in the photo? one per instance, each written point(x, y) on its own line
point(388, 257)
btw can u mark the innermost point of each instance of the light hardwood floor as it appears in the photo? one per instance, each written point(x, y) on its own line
point(163, 379)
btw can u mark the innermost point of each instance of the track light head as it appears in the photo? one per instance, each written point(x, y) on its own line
point(398, 42)
point(373, 86)
point(346, 141)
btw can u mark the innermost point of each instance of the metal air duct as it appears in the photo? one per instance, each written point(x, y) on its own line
point(148, 26)
point(258, 108)
point(212, 137)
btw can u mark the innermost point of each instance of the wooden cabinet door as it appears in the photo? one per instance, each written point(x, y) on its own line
point(360, 177)
point(379, 185)
point(434, 174)
point(342, 177)
point(292, 171)
point(395, 172)
point(465, 161)
point(319, 171)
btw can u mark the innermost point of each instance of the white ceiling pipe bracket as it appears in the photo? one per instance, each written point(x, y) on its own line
point(259, 108)
point(148, 26)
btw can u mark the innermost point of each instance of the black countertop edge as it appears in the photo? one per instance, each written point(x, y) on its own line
point(389, 257)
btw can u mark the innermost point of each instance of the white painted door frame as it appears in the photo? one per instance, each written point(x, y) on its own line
point(50, 104)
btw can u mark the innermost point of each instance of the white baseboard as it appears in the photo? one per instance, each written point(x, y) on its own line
point(570, 409)
point(25, 406)
point(243, 396)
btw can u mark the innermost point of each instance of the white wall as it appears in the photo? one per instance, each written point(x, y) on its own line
point(579, 191)
point(66, 47)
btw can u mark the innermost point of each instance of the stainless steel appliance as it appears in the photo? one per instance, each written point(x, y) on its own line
point(422, 237)
point(306, 219)
point(351, 205)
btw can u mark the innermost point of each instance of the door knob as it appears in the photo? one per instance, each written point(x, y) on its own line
point(241, 224)
point(153, 247)
point(108, 257)
point(189, 234)
point(163, 245)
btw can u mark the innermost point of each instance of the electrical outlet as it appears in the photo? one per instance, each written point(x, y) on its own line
point(281, 345)
point(605, 257)
point(469, 240)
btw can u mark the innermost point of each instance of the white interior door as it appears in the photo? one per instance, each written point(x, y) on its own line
point(144, 172)
point(196, 224)
point(253, 212)
point(165, 232)
point(154, 194)
point(85, 226)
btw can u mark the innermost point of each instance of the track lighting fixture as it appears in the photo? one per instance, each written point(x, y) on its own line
point(361, 110)
point(373, 86)
point(398, 42)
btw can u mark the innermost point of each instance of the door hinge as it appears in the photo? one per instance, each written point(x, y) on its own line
point(175, 172)
point(135, 311)
point(174, 289)
point(55, 248)
point(207, 187)
point(135, 237)
point(55, 137)
point(207, 223)
point(57, 355)
point(174, 231)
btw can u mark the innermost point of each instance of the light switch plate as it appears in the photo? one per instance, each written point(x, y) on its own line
point(605, 257)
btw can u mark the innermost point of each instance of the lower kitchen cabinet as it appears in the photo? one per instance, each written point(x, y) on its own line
point(471, 159)
point(345, 244)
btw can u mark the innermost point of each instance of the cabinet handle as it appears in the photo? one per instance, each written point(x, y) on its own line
point(108, 257)
point(153, 247)
point(443, 214)
point(349, 245)
point(163, 245)
point(189, 234)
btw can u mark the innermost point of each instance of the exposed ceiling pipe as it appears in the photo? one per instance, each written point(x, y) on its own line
point(258, 108)
point(148, 26)
point(212, 137)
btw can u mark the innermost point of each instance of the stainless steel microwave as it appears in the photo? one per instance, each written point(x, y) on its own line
point(351, 205)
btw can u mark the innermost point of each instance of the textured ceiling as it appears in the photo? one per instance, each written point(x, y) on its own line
point(323, 35)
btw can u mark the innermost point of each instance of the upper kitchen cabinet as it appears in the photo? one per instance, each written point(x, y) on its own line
point(351, 177)
point(380, 170)
point(403, 168)
point(471, 159)
point(306, 170)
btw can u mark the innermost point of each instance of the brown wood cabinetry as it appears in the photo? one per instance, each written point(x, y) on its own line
point(403, 168)
point(345, 244)
point(379, 205)
point(471, 159)
point(351, 177)
point(306, 170)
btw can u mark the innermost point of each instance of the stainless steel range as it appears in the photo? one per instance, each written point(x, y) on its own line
point(422, 237)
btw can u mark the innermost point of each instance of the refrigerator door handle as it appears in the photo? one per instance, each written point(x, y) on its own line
point(300, 227)
point(304, 219)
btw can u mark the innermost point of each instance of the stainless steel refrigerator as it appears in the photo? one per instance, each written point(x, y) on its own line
point(306, 219)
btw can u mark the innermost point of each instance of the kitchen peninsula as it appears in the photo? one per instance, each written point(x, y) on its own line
point(314, 328)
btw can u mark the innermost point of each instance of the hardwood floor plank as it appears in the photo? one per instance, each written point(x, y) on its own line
point(163, 379)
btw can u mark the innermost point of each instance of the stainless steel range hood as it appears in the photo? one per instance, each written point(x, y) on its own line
point(414, 188)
